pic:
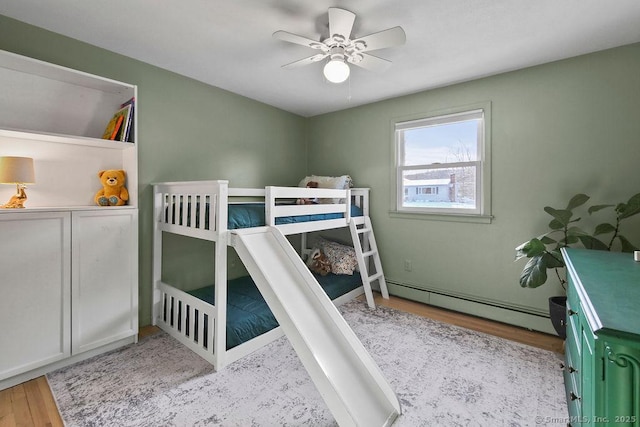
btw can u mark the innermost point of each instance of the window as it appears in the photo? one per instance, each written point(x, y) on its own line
point(442, 164)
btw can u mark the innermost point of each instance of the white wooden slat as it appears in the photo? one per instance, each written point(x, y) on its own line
point(293, 210)
point(201, 329)
point(191, 211)
point(192, 322)
point(213, 212)
point(246, 192)
point(182, 206)
point(183, 318)
point(299, 192)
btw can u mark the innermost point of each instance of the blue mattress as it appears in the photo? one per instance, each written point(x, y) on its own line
point(248, 215)
point(248, 314)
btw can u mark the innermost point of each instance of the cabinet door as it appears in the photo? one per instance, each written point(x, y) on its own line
point(619, 392)
point(104, 277)
point(35, 288)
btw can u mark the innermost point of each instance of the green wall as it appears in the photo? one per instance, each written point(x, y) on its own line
point(187, 131)
point(557, 129)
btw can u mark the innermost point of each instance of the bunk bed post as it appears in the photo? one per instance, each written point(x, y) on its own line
point(220, 274)
point(365, 201)
point(269, 204)
point(157, 252)
point(347, 201)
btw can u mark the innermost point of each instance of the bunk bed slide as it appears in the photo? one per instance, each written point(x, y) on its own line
point(346, 375)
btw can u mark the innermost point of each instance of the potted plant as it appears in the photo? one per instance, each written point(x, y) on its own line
point(543, 252)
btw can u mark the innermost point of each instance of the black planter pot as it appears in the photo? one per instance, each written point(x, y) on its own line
point(558, 314)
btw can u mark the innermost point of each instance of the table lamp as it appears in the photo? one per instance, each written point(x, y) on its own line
point(18, 171)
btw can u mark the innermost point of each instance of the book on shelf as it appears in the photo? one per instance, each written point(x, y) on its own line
point(119, 126)
point(128, 136)
point(111, 127)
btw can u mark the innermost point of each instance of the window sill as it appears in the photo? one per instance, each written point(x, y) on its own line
point(475, 219)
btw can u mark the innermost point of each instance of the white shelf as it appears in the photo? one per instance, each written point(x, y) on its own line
point(26, 65)
point(48, 99)
point(57, 116)
point(65, 139)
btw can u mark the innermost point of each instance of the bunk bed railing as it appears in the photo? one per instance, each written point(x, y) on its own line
point(188, 319)
point(195, 209)
point(278, 203)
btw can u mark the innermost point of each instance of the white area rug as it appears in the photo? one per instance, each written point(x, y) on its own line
point(443, 376)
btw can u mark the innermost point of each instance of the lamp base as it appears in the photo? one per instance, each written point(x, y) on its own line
point(16, 201)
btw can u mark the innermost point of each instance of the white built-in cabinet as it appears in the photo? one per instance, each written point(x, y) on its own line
point(68, 268)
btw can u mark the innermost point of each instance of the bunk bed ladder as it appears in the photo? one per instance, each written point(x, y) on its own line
point(365, 250)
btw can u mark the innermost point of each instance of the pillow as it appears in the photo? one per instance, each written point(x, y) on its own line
point(342, 258)
point(338, 182)
point(335, 182)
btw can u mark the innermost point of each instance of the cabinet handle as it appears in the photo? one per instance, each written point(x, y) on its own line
point(569, 368)
point(571, 312)
point(573, 396)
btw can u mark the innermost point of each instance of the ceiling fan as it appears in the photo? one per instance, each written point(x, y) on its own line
point(341, 49)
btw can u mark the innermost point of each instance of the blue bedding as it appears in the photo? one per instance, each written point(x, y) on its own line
point(248, 314)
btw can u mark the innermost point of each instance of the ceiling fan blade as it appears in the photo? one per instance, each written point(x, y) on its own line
point(294, 38)
point(372, 63)
point(341, 22)
point(305, 61)
point(387, 38)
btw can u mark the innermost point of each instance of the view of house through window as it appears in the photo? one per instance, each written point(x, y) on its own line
point(440, 163)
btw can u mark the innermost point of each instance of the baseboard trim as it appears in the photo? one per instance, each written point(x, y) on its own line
point(517, 316)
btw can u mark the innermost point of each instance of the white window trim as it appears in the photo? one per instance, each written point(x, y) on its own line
point(483, 213)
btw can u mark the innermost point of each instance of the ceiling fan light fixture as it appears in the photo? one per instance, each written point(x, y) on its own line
point(336, 70)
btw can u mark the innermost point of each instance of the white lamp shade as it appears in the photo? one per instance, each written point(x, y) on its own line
point(336, 71)
point(17, 170)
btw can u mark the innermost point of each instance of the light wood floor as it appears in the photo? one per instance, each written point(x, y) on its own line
point(32, 404)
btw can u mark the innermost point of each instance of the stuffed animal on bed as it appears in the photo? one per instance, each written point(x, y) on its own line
point(318, 263)
point(310, 184)
point(114, 192)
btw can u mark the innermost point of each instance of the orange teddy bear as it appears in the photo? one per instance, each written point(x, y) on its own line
point(113, 192)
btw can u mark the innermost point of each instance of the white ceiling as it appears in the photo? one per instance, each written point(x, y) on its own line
point(228, 44)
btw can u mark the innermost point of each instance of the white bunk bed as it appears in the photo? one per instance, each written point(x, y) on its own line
point(199, 209)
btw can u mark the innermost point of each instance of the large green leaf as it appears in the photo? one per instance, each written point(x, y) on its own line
point(534, 273)
point(562, 216)
point(553, 260)
point(596, 208)
point(576, 231)
point(604, 228)
point(556, 225)
point(577, 200)
point(591, 242)
point(626, 245)
point(533, 247)
point(569, 240)
point(632, 207)
point(547, 240)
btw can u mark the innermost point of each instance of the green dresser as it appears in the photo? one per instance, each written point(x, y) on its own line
point(602, 355)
